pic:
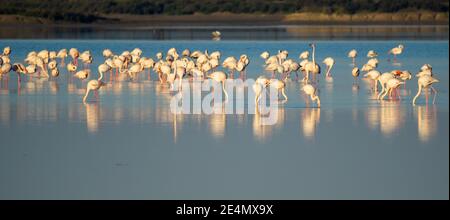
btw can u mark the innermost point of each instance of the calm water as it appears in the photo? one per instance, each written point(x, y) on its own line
point(130, 146)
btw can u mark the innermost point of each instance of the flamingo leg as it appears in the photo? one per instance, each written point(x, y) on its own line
point(435, 94)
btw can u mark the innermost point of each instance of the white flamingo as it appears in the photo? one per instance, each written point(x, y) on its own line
point(396, 51)
point(352, 54)
point(312, 66)
point(391, 85)
point(329, 62)
point(425, 82)
point(311, 91)
point(94, 85)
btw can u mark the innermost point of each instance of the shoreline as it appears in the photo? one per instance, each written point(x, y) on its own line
point(229, 19)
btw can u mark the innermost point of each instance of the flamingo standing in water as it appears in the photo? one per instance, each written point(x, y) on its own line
point(82, 74)
point(261, 82)
point(383, 79)
point(265, 55)
point(62, 54)
point(352, 54)
point(311, 66)
point(372, 54)
point(86, 58)
point(311, 91)
point(220, 77)
point(355, 74)
point(329, 62)
point(19, 69)
point(279, 86)
point(425, 82)
point(6, 51)
point(396, 51)
point(391, 85)
point(71, 67)
point(373, 75)
point(94, 85)
point(73, 52)
point(229, 63)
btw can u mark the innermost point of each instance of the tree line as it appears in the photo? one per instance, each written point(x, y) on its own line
point(92, 10)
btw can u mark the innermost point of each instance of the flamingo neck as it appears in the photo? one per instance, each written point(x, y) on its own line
point(314, 54)
point(101, 76)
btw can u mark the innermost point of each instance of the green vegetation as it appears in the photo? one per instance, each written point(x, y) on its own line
point(90, 10)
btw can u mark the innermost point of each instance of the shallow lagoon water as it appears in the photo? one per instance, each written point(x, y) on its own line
point(130, 146)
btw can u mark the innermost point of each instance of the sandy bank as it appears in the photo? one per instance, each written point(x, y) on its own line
point(406, 18)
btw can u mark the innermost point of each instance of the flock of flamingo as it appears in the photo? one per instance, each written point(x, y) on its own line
point(204, 65)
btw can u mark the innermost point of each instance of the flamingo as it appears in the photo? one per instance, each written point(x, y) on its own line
point(31, 69)
point(367, 68)
point(329, 62)
point(230, 64)
point(215, 55)
point(403, 75)
point(372, 54)
point(147, 63)
point(304, 55)
point(19, 69)
point(216, 35)
point(425, 82)
point(136, 51)
point(54, 72)
point(373, 74)
point(107, 53)
point(312, 66)
point(311, 91)
point(186, 53)
point(426, 67)
point(104, 68)
point(82, 74)
point(172, 52)
point(134, 70)
point(373, 62)
point(62, 54)
point(94, 85)
point(279, 85)
point(220, 77)
point(242, 64)
point(264, 55)
point(73, 52)
point(86, 58)
point(214, 62)
point(391, 85)
point(5, 69)
point(291, 66)
point(355, 74)
point(7, 51)
point(163, 69)
point(352, 54)
point(383, 79)
point(5, 59)
point(396, 51)
point(52, 55)
point(260, 83)
point(71, 67)
point(257, 89)
point(52, 64)
point(275, 67)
